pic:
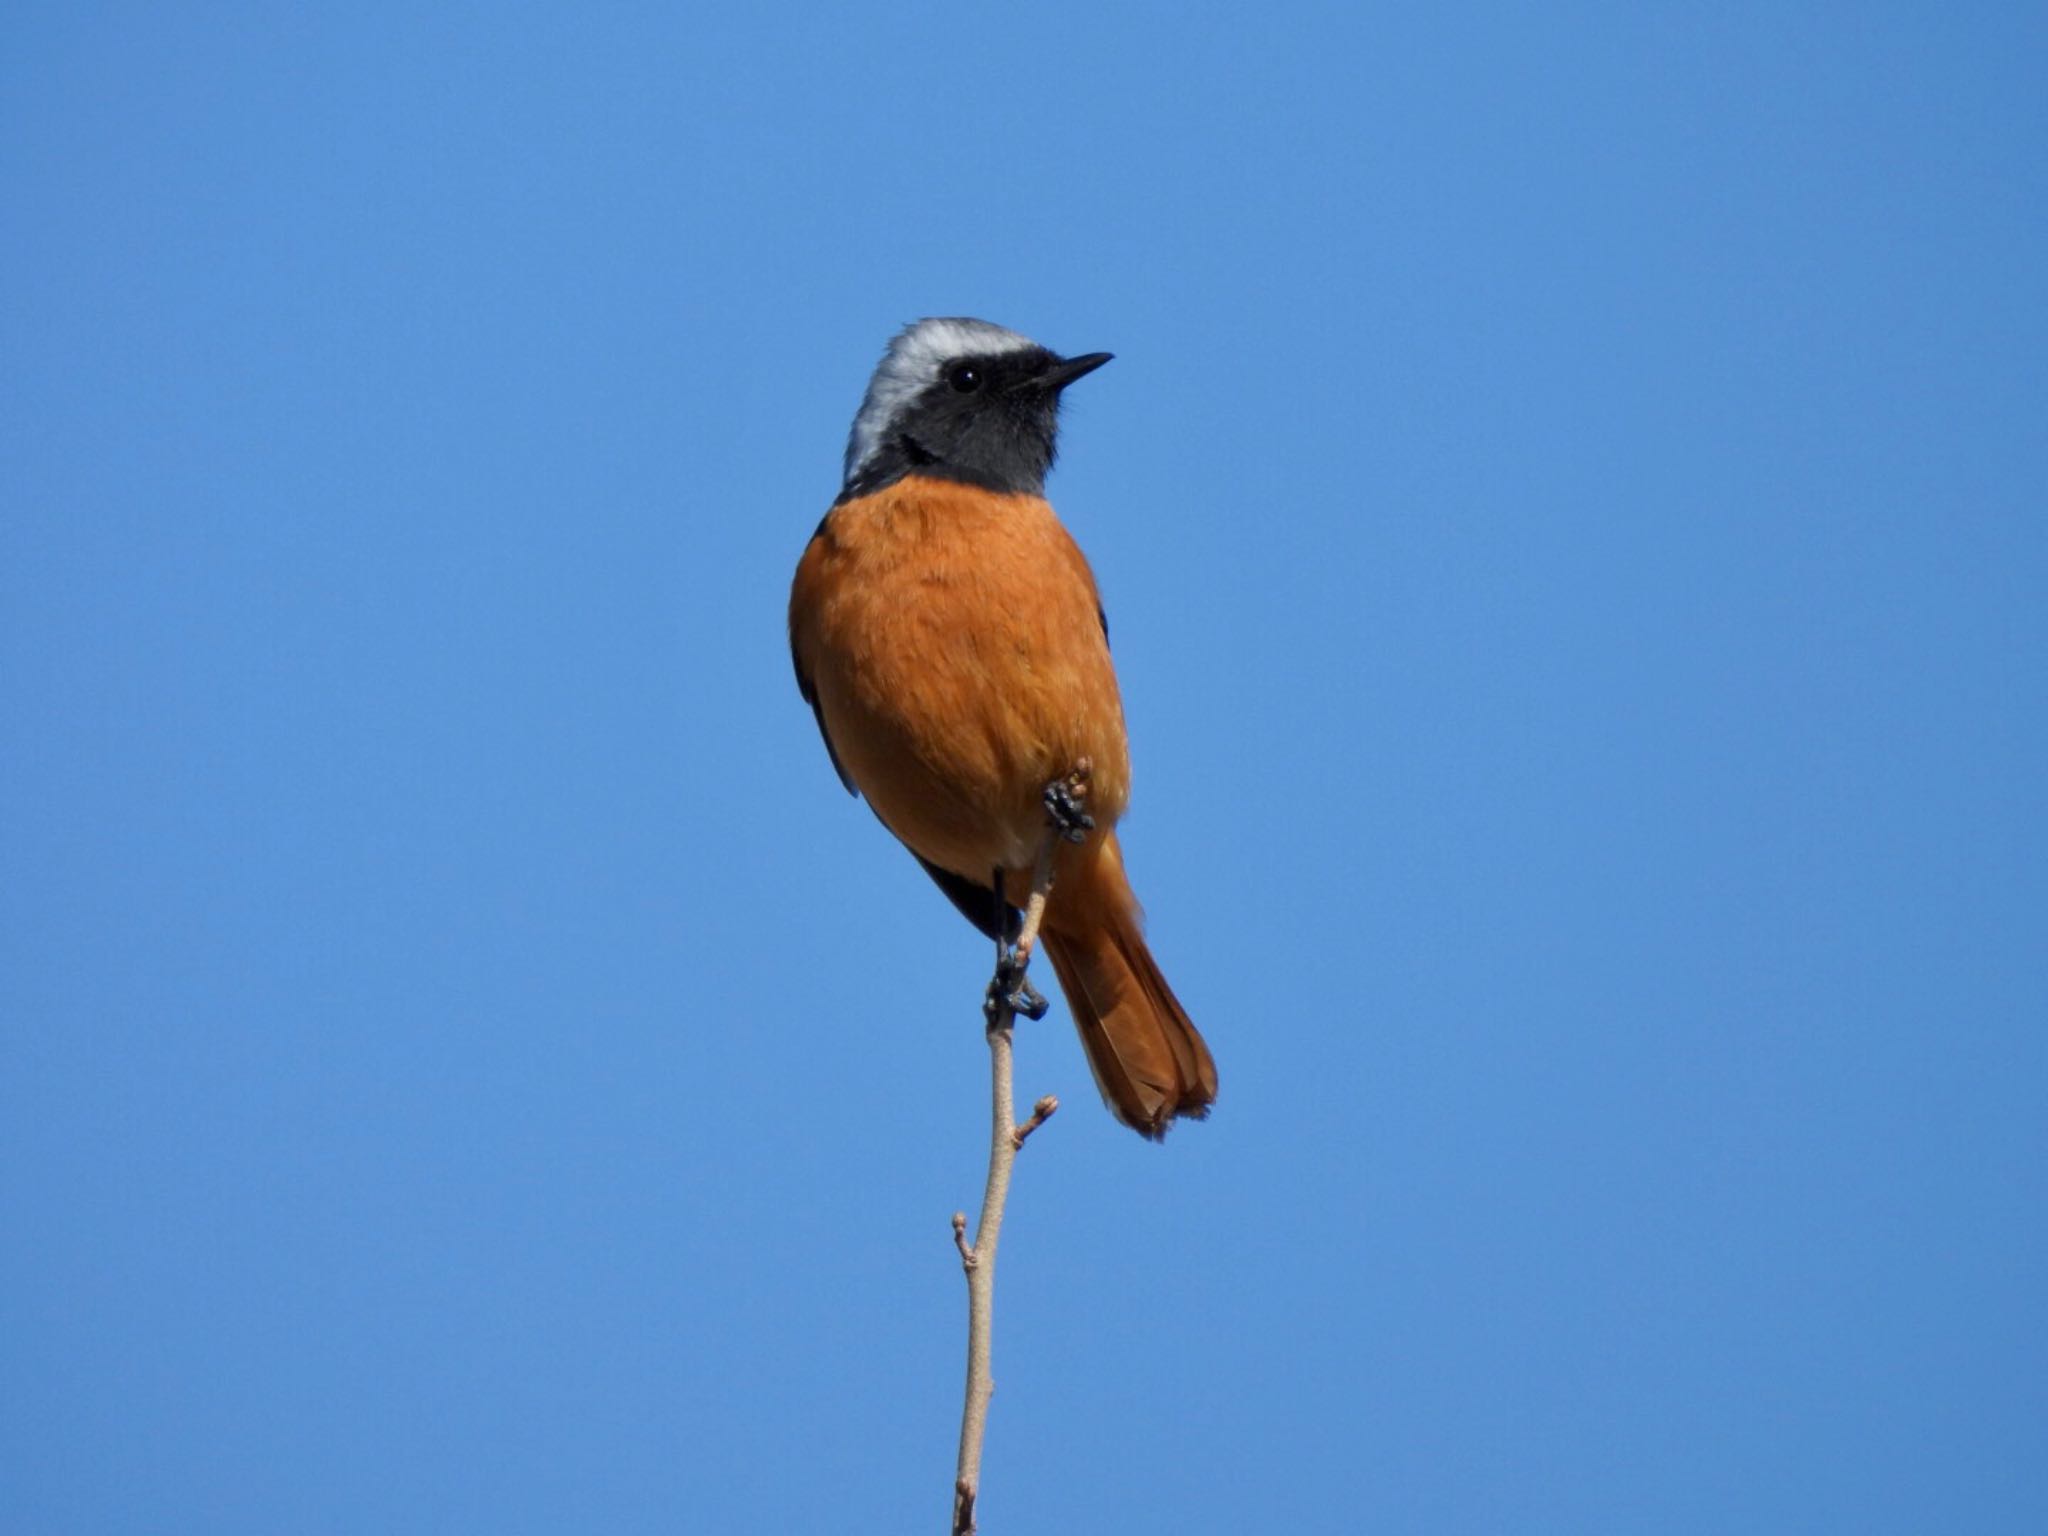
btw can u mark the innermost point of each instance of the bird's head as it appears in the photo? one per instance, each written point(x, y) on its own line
point(961, 400)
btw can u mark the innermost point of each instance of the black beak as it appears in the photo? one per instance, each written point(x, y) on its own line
point(1067, 370)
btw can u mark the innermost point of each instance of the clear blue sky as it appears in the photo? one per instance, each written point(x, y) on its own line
point(1570, 503)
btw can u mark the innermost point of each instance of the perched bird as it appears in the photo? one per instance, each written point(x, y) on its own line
point(947, 631)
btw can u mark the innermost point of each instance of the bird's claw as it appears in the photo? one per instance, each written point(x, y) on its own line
point(1063, 799)
point(1011, 989)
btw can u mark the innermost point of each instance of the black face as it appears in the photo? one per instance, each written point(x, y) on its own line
point(987, 421)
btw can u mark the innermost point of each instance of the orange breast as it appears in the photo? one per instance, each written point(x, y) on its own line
point(954, 640)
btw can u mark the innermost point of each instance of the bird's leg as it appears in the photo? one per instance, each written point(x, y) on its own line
point(1064, 799)
point(1065, 818)
point(1010, 989)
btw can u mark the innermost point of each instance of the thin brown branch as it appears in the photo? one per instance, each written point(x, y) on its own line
point(1005, 1137)
point(979, 1262)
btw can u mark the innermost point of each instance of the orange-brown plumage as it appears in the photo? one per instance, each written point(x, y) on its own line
point(954, 642)
point(951, 640)
point(1148, 1058)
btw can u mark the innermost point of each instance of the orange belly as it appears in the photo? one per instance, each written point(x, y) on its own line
point(954, 640)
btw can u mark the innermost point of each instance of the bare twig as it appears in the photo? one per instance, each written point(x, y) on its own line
point(1041, 1112)
point(1006, 1137)
point(979, 1262)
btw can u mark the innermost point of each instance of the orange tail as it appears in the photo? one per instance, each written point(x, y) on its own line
point(1149, 1060)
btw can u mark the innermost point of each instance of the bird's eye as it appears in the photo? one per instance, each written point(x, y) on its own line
point(964, 377)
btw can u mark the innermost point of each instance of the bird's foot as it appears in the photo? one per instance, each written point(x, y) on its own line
point(1011, 989)
point(1064, 800)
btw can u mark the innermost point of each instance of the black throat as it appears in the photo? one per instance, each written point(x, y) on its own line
point(998, 435)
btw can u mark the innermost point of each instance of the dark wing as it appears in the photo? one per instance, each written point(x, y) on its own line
point(977, 902)
point(796, 661)
point(803, 686)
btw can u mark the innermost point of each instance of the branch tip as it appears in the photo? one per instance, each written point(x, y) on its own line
point(1041, 1112)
